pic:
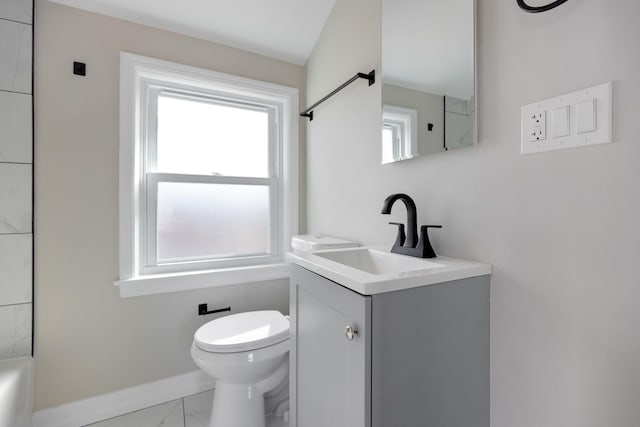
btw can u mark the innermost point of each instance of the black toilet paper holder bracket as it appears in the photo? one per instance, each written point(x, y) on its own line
point(202, 310)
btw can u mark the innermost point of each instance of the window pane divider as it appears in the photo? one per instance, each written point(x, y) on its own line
point(155, 177)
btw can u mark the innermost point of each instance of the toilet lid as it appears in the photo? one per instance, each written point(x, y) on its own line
point(243, 332)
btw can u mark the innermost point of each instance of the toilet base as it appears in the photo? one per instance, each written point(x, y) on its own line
point(242, 405)
point(237, 405)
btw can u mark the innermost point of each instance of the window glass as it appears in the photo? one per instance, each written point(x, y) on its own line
point(387, 144)
point(205, 138)
point(208, 221)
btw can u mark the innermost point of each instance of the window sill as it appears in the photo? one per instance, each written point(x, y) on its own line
point(165, 283)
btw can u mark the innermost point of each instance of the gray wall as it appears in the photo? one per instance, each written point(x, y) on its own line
point(16, 160)
point(560, 228)
point(88, 339)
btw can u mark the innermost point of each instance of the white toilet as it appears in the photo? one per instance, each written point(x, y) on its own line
point(248, 354)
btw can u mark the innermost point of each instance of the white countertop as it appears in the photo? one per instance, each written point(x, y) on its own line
point(445, 269)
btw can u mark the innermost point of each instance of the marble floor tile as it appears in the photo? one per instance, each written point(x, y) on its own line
point(276, 422)
point(15, 331)
point(17, 10)
point(166, 415)
point(15, 268)
point(15, 198)
point(15, 128)
point(197, 411)
point(16, 52)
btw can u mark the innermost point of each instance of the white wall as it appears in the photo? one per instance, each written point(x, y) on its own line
point(88, 339)
point(561, 228)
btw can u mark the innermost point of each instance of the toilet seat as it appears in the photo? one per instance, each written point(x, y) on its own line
point(243, 332)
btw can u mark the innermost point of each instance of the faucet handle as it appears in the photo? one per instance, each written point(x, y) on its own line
point(400, 238)
point(424, 245)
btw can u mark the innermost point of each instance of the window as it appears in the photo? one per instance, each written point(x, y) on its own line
point(399, 133)
point(208, 177)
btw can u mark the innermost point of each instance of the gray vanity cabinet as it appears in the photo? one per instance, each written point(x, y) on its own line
point(419, 357)
point(332, 373)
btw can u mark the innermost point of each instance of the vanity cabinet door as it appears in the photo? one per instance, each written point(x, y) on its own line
point(330, 367)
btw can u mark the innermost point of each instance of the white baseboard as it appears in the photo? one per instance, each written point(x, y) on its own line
point(98, 408)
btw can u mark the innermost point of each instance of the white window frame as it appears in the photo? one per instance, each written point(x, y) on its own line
point(142, 79)
point(404, 124)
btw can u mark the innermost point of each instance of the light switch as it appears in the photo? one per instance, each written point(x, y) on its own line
point(560, 119)
point(586, 116)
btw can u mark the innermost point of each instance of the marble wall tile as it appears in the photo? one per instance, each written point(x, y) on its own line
point(166, 415)
point(197, 409)
point(17, 10)
point(15, 268)
point(15, 198)
point(15, 331)
point(15, 128)
point(457, 105)
point(15, 54)
point(459, 130)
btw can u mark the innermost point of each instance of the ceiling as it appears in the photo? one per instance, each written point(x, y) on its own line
point(282, 29)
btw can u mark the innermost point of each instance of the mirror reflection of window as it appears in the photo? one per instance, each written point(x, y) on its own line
point(389, 144)
point(399, 133)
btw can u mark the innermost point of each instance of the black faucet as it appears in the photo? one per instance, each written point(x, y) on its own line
point(409, 244)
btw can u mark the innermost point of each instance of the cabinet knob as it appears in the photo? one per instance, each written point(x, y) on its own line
point(350, 332)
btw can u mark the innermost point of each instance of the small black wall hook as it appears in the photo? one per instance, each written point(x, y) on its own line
point(79, 68)
point(537, 9)
point(202, 310)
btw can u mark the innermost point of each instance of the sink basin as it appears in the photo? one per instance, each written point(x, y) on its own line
point(374, 269)
point(377, 262)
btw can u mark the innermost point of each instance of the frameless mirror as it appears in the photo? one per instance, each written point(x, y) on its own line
point(428, 77)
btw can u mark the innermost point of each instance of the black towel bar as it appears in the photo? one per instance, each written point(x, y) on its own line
point(371, 77)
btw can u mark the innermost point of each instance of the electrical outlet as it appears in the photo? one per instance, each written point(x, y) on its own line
point(576, 119)
point(538, 126)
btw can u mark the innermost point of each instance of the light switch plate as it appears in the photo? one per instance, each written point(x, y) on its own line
point(586, 116)
point(561, 119)
point(589, 115)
